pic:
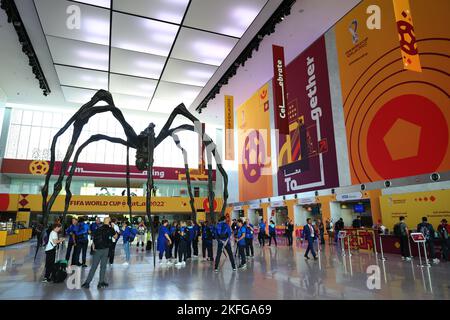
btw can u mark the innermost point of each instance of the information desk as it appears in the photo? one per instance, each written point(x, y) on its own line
point(391, 244)
point(20, 235)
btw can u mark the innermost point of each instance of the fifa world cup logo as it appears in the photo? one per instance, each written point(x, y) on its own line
point(353, 27)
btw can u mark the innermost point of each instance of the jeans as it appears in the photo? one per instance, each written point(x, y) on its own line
point(81, 247)
point(100, 257)
point(49, 263)
point(112, 252)
point(289, 237)
point(207, 247)
point(167, 251)
point(126, 248)
point(262, 238)
point(182, 250)
point(273, 236)
point(249, 246)
point(69, 250)
point(220, 247)
point(242, 254)
point(195, 246)
point(404, 249)
point(310, 247)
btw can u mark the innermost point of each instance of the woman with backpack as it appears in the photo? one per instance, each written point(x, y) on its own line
point(127, 238)
point(50, 251)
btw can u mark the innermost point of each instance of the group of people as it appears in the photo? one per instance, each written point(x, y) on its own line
point(430, 235)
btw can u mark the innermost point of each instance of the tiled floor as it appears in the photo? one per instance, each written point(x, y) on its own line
point(274, 273)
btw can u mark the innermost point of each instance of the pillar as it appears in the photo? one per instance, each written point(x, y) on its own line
point(374, 196)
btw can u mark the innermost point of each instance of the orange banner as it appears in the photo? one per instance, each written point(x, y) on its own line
point(395, 119)
point(255, 165)
point(229, 128)
point(407, 36)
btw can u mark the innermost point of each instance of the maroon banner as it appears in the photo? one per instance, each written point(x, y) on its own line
point(99, 170)
point(279, 90)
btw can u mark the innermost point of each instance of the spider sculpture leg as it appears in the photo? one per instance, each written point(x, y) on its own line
point(211, 149)
point(150, 185)
point(128, 183)
point(207, 141)
point(93, 138)
point(176, 139)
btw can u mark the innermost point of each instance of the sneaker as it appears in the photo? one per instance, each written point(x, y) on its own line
point(169, 263)
point(45, 280)
point(184, 263)
point(178, 264)
point(306, 257)
point(85, 285)
point(436, 261)
point(101, 286)
point(242, 267)
point(408, 259)
point(234, 269)
point(216, 270)
point(403, 259)
point(125, 263)
point(84, 266)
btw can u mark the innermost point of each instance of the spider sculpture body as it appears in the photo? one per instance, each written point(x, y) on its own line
point(144, 143)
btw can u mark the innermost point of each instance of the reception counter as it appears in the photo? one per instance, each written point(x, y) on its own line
point(20, 235)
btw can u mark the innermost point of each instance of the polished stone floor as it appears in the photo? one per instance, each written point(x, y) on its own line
point(274, 273)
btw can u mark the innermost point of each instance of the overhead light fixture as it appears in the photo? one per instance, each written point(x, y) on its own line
point(27, 47)
point(283, 10)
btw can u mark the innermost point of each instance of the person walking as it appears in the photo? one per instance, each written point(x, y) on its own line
point(309, 235)
point(443, 231)
point(402, 233)
point(272, 233)
point(50, 251)
point(289, 231)
point(71, 232)
point(141, 231)
point(428, 232)
point(164, 243)
point(249, 239)
point(183, 235)
point(321, 229)
point(127, 238)
point(102, 238)
point(207, 233)
point(223, 235)
point(112, 248)
point(262, 233)
point(241, 243)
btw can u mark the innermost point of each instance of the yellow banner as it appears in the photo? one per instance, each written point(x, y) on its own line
point(435, 205)
point(229, 128)
point(105, 204)
point(255, 166)
point(407, 36)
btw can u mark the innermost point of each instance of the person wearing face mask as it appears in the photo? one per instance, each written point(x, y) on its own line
point(272, 233)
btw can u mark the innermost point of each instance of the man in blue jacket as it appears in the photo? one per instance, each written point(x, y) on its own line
point(81, 244)
point(249, 239)
point(309, 235)
point(71, 232)
point(223, 234)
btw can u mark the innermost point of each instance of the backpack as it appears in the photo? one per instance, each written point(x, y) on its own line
point(209, 234)
point(45, 238)
point(101, 238)
point(132, 235)
point(397, 230)
point(425, 230)
point(59, 273)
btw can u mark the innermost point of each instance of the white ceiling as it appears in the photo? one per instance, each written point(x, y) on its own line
point(141, 51)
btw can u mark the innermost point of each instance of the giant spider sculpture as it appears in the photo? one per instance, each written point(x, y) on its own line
point(144, 143)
